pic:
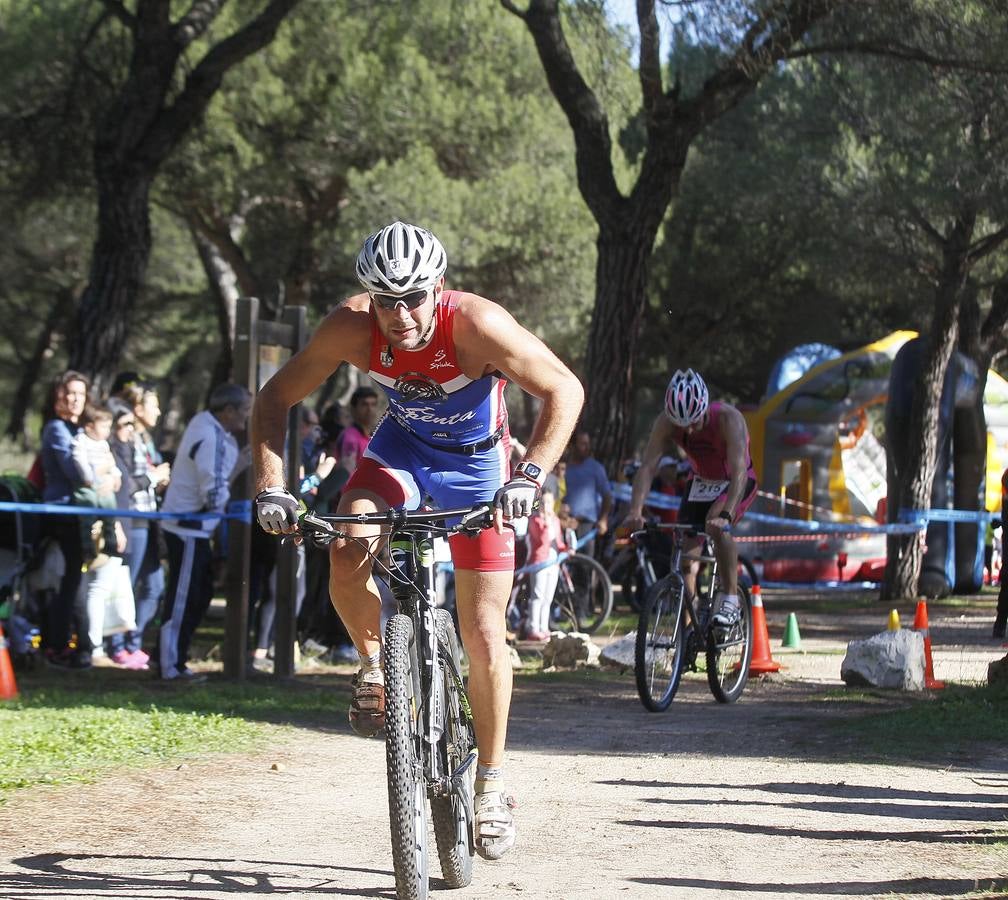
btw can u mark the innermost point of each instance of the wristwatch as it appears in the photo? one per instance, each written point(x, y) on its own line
point(724, 514)
point(531, 471)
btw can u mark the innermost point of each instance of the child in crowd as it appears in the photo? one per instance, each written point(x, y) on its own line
point(99, 474)
point(545, 536)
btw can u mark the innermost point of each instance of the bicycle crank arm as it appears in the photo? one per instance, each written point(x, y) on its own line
point(455, 781)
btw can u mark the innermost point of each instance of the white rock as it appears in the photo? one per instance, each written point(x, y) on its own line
point(891, 659)
point(621, 651)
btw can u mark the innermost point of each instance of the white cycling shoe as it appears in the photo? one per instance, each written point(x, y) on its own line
point(495, 827)
point(728, 611)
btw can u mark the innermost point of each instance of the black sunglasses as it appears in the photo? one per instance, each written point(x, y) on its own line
point(390, 301)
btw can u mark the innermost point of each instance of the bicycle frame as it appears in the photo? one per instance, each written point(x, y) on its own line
point(412, 555)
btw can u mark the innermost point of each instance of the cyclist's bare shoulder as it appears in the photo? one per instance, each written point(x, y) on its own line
point(732, 421)
point(488, 337)
point(344, 335)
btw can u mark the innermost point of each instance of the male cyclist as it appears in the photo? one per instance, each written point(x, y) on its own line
point(444, 358)
point(715, 437)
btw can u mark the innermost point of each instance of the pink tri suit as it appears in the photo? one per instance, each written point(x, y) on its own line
point(444, 439)
point(708, 455)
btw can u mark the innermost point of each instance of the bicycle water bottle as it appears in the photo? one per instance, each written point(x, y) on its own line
point(401, 582)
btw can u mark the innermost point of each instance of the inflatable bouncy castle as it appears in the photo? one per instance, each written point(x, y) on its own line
point(828, 435)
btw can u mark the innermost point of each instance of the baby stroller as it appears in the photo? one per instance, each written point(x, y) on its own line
point(21, 564)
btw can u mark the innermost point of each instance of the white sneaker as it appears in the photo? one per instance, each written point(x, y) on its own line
point(495, 827)
point(727, 613)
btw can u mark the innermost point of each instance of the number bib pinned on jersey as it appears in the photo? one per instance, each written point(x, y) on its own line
point(704, 490)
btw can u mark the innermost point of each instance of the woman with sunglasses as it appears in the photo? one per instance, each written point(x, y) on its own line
point(136, 493)
point(443, 357)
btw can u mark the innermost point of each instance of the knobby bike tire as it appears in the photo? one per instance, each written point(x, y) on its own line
point(659, 647)
point(453, 826)
point(406, 790)
point(729, 653)
point(592, 591)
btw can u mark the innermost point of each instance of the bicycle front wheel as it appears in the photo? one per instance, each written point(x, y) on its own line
point(658, 652)
point(406, 790)
point(729, 652)
point(590, 591)
point(453, 812)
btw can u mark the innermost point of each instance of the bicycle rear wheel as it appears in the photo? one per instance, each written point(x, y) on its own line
point(729, 652)
point(658, 652)
point(453, 813)
point(406, 790)
point(587, 581)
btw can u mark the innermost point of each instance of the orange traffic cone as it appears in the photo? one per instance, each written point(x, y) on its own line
point(761, 662)
point(921, 625)
point(8, 687)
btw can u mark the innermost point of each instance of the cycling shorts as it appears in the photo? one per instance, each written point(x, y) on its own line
point(695, 513)
point(405, 472)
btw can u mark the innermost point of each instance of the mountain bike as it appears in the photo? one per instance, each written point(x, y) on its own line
point(582, 600)
point(430, 742)
point(638, 560)
point(675, 627)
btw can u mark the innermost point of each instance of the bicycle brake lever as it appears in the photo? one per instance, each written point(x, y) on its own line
point(480, 517)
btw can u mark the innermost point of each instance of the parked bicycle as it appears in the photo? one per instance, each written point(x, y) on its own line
point(674, 628)
point(582, 600)
point(430, 742)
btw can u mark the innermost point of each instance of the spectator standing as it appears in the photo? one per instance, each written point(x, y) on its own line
point(1001, 616)
point(108, 584)
point(137, 494)
point(143, 546)
point(199, 483)
point(589, 496)
point(98, 474)
point(67, 611)
point(356, 436)
point(545, 536)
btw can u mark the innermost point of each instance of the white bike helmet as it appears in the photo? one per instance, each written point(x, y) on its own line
point(401, 258)
point(686, 399)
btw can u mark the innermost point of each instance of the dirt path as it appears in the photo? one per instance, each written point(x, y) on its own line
point(705, 800)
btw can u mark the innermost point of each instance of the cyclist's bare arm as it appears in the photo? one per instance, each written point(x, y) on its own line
point(659, 442)
point(735, 432)
point(487, 338)
point(344, 335)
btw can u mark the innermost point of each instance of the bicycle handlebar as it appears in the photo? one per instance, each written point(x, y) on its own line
point(473, 518)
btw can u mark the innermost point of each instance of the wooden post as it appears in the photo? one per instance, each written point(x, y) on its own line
point(246, 369)
point(289, 558)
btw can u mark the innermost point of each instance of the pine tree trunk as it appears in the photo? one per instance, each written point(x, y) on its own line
point(118, 266)
point(620, 298)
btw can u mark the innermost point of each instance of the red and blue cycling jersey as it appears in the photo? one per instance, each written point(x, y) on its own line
point(429, 395)
point(444, 439)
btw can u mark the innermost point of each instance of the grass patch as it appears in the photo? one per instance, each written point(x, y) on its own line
point(58, 733)
point(925, 727)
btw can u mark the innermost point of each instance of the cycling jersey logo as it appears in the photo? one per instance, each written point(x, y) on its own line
point(440, 361)
point(417, 386)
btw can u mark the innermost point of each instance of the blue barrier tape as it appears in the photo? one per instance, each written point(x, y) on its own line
point(236, 509)
point(923, 516)
point(821, 585)
point(622, 491)
point(832, 527)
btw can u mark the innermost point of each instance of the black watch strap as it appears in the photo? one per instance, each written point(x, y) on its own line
point(724, 514)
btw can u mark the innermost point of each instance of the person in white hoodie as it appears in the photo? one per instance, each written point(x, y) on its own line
point(199, 484)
